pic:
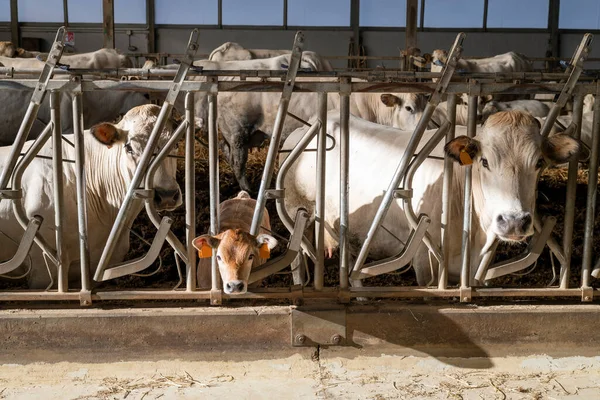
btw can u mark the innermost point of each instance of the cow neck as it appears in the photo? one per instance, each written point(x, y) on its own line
point(106, 185)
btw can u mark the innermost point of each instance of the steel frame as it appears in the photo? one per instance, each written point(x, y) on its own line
point(340, 83)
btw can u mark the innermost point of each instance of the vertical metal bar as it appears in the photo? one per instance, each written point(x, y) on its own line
point(355, 25)
point(447, 196)
point(58, 193)
point(485, 13)
point(190, 192)
point(320, 198)
point(66, 13)
point(411, 28)
point(108, 23)
point(344, 185)
point(220, 14)
point(422, 15)
point(213, 157)
point(553, 20)
point(565, 270)
point(590, 212)
point(285, 11)
point(151, 16)
point(84, 250)
point(14, 22)
point(465, 271)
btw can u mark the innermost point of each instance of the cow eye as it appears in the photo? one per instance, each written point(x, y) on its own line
point(128, 148)
point(540, 163)
point(251, 257)
point(218, 257)
point(409, 109)
point(485, 164)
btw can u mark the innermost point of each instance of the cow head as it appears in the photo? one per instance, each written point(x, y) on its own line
point(129, 138)
point(7, 49)
point(507, 158)
point(406, 109)
point(237, 251)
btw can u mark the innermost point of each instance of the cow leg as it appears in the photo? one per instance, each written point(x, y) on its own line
point(355, 282)
point(238, 160)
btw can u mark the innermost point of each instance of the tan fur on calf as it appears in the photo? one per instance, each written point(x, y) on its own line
point(234, 245)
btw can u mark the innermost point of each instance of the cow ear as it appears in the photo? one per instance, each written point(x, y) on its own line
point(108, 134)
point(211, 241)
point(269, 240)
point(462, 149)
point(427, 58)
point(20, 51)
point(560, 148)
point(390, 100)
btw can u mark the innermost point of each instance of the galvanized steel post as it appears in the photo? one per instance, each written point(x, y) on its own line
point(446, 195)
point(465, 271)
point(213, 160)
point(344, 181)
point(58, 192)
point(319, 271)
point(80, 179)
point(590, 212)
point(565, 270)
point(190, 192)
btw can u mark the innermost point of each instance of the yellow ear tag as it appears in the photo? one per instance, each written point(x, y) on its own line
point(264, 251)
point(465, 158)
point(205, 251)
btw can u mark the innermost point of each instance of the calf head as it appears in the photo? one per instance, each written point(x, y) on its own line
point(508, 157)
point(407, 109)
point(129, 139)
point(7, 49)
point(237, 251)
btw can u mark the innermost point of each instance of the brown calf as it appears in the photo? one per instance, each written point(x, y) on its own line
point(237, 251)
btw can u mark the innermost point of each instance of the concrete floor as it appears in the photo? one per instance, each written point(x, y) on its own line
point(335, 373)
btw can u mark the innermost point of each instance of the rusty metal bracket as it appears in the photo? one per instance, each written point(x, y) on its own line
point(319, 327)
point(297, 295)
point(85, 298)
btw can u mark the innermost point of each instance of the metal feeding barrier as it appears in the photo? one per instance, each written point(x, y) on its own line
point(192, 83)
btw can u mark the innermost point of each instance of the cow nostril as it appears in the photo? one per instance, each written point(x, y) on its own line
point(500, 219)
point(240, 286)
point(526, 222)
point(229, 287)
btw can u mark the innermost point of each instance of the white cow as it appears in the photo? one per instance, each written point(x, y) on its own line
point(231, 51)
point(440, 114)
point(508, 155)
point(110, 163)
point(237, 250)
point(98, 106)
point(100, 59)
point(533, 107)
point(507, 62)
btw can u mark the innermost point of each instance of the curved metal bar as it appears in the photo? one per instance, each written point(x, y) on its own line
point(140, 264)
point(283, 169)
point(396, 262)
point(18, 207)
point(535, 249)
point(407, 203)
point(290, 254)
point(140, 171)
point(24, 246)
point(149, 185)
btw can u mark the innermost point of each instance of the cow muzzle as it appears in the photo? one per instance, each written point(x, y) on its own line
point(167, 199)
point(514, 226)
point(235, 286)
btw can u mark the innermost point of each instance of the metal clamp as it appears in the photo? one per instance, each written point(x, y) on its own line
point(140, 264)
point(24, 246)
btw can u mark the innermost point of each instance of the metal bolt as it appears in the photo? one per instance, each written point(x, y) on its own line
point(336, 339)
point(300, 339)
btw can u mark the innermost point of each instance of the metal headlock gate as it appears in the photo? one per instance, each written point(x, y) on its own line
point(448, 83)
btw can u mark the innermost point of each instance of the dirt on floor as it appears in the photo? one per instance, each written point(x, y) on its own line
point(338, 373)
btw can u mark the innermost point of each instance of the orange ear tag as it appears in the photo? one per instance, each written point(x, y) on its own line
point(264, 251)
point(205, 251)
point(465, 158)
